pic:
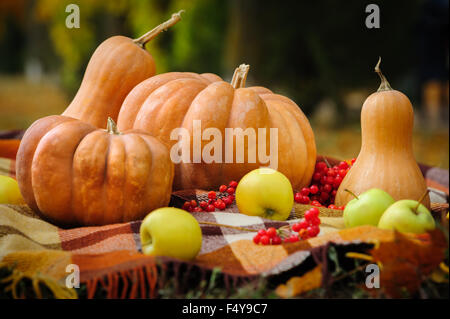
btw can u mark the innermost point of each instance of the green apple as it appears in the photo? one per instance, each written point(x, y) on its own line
point(408, 216)
point(367, 208)
point(266, 193)
point(171, 232)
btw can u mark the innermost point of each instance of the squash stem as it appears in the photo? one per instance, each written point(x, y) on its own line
point(420, 201)
point(240, 76)
point(384, 86)
point(111, 127)
point(351, 193)
point(142, 40)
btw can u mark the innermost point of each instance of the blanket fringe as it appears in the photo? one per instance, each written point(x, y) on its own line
point(139, 282)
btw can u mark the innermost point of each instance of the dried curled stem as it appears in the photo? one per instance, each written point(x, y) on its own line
point(240, 76)
point(384, 86)
point(142, 40)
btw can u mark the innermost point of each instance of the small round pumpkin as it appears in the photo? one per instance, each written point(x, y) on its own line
point(175, 100)
point(116, 67)
point(72, 173)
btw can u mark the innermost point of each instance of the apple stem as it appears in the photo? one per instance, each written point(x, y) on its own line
point(270, 211)
point(229, 226)
point(350, 192)
point(420, 201)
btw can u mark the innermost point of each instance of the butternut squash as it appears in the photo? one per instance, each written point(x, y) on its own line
point(115, 68)
point(386, 158)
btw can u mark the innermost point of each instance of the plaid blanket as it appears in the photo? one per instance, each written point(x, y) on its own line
point(109, 258)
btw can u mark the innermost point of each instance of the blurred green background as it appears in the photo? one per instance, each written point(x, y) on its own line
point(319, 53)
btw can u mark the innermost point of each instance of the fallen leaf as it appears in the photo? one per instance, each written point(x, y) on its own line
point(406, 261)
point(298, 285)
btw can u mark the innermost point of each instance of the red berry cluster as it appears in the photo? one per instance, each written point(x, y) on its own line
point(213, 200)
point(267, 237)
point(325, 183)
point(308, 227)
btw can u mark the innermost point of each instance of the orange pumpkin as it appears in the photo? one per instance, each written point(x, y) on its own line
point(72, 173)
point(168, 101)
point(386, 159)
point(117, 65)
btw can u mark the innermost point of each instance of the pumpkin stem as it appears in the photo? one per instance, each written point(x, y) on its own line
point(420, 201)
point(111, 127)
point(351, 193)
point(240, 76)
point(384, 86)
point(142, 40)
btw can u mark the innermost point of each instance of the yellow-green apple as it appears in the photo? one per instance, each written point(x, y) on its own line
point(9, 191)
point(408, 216)
point(367, 208)
point(171, 232)
point(266, 193)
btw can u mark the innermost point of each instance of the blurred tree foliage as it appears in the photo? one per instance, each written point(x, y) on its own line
point(307, 50)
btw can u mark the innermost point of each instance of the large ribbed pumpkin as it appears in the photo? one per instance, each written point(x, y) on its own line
point(72, 173)
point(175, 100)
point(386, 159)
point(116, 67)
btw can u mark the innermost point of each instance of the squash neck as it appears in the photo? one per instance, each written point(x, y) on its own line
point(150, 35)
point(240, 76)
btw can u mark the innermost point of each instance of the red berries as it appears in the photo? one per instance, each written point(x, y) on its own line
point(292, 239)
point(304, 191)
point(309, 226)
point(310, 213)
point(230, 190)
point(343, 165)
point(306, 228)
point(276, 240)
point(296, 227)
point(213, 200)
point(325, 182)
point(233, 184)
point(314, 189)
point(212, 195)
point(313, 230)
point(303, 224)
point(321, 166)
point(227, 200)
point(271, 232)
point(265, 240)
point(267, 237)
